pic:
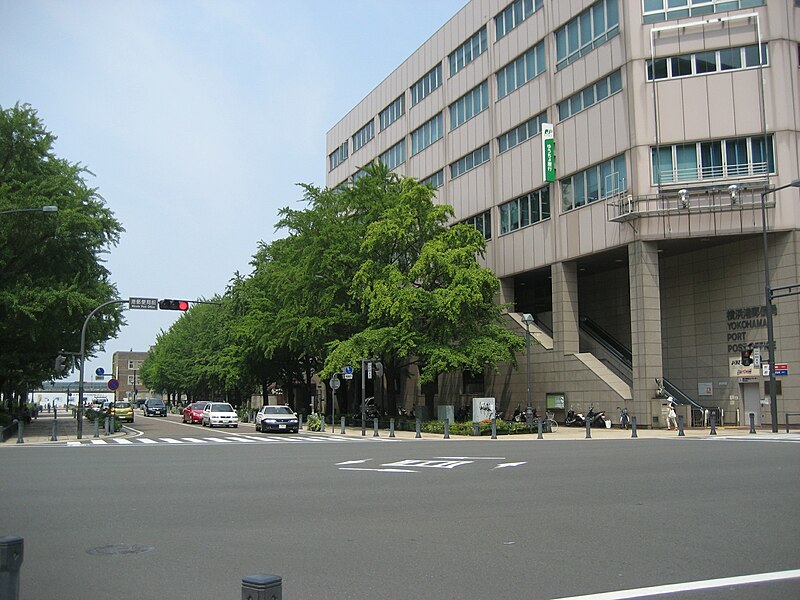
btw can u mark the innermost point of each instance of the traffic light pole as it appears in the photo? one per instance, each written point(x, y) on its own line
point(83, 351)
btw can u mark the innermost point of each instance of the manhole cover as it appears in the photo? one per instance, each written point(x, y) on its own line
point(112, 549)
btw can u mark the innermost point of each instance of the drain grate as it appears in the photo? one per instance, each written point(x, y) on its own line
point(113, 549)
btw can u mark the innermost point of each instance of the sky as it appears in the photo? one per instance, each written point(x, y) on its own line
point(198, 118)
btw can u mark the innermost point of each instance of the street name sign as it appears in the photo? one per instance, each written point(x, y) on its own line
point(143, 303)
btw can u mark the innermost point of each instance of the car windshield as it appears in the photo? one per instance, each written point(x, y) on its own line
point(277, 410)
point(221, 408)
point(122, 405)
point(155, 403)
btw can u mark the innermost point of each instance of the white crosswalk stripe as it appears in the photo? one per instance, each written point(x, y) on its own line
point(232, 439)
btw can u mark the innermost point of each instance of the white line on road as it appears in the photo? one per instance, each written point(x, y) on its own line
point(472, 457)
point(688, 586)
point(504, 465)
point(378, 470)
point(218, 440)
point(99, 442)
point(124, 441)
point(354, 462)
point(171, 440)
point(147, 441)
point(195, 440)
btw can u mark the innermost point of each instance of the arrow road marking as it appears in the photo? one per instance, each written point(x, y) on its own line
point(353, 462)
point(504, 465)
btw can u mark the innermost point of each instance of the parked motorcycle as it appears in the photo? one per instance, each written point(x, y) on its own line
point(597, 419)
point(574, 419)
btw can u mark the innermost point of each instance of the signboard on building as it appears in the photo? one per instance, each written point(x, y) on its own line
point(548, 152)
point(737, 369)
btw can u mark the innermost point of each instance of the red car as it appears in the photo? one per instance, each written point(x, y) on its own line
point(193, 413)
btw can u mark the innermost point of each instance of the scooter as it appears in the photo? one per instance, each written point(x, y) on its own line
point(596, 419)
point(574, 419)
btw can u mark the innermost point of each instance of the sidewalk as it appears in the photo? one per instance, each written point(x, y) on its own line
point(40, 430)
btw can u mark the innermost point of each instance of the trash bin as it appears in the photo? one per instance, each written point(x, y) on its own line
point(608, 423)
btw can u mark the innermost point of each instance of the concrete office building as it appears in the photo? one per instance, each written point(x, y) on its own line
point(640, 253)
point(125, 367)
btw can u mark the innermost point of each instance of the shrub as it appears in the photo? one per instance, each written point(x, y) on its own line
point(314, 422)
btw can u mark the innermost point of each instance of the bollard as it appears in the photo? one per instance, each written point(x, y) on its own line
point(54, 435)
point(96, 427)
point(262, 587)
point(11, 555)
point(633, 427)
point(787, 422)
point(300, 422)
point(418, 435)
point(476, 429)
point(752, 422)
point(539, 429)
point(588, 428)
point(343, 420)
point(494, 428)
point(322, 424)
point(391, 428)
point(713, 424)
point(680, 426)
point(375, 428)
point(447, 429)
point(20, 435)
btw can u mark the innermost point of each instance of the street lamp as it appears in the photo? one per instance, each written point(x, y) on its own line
point(773, 400)
point(527, 318)
point(47, 209)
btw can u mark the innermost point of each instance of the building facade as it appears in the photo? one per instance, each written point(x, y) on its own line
point(636, 238)
point(125, 367)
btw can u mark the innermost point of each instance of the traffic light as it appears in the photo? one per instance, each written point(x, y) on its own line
point(747, 358)
point(173, 305)
point(61, 364)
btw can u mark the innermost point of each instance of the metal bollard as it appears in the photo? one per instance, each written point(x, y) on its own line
point(588, 428)
point(787, 422)
point(418, 435)
point(476, 429)
point(96, 427)
point(680, 426)
point(391, 428)
point(713, 424)
point(11, 555)
point(343, 420)
point(494, 428)
point(300, 422)
point(262, 587)
point(447, 429)
point(752, 422)
point(20, 433)
point(322, 424)
point(375, 428)
point(539, 429)
point(633, 427)
point(54, 435)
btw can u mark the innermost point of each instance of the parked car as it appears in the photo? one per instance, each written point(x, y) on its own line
point(123, 411)
point(154, 407)
point(277, 418)
point(219, 413)
point(193, 413)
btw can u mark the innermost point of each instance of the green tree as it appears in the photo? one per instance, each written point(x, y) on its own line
point(51, 268)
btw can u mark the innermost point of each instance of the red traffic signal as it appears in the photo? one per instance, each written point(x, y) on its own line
point(173, 305)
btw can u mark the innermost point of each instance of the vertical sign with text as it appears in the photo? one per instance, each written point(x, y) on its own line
point(548, 152)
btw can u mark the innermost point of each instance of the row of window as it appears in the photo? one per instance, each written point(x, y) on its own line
point(468, 51)
point(481, 222)
point(666, 10)
point(595, 183)
point(394, 111)
point(514, 14)
point(525, 210)
point(520, 70)
point(430, 132)
point(470, 104)
point(363, 135)
point(337, 157)
point(590, 95)
point(710, 61)
point(521, 133)
point(593, 27)
point(472, 160)
point(426, 84)
point(394, 156)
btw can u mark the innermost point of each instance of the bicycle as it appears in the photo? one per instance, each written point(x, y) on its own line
point(551, 422)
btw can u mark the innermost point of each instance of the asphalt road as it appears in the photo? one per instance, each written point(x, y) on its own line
point(404, 518)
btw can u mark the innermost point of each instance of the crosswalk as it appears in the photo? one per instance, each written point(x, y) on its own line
point(779, 438)
point(233, 439)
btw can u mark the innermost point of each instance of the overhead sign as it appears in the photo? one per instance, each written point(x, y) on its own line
point(143, 303)
point(548, 152)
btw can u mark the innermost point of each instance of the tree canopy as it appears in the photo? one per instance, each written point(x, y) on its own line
point(52, 272)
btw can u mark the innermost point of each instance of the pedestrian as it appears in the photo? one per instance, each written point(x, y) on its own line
point(672, 417)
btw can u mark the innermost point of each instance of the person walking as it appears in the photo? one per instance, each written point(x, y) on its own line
point(672, 417)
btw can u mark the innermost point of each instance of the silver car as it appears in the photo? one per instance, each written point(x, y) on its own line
point(219, 414)
point(277, 418)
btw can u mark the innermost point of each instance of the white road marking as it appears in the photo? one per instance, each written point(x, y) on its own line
point(240, 438)
point(195, 440)
point(504, 465)
point(429, 464)
point(147, 441)
point(354, 462)
point(378, 470)
point(123, 441)
point(99, 442)
point(472, 457)
point(688, 586)
point(218, 440)
point(171, 440)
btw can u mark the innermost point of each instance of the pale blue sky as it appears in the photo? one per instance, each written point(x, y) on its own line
point(199, 117)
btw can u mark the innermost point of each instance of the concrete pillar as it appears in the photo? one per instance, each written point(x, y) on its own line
point(565, 308)
point(645, 295)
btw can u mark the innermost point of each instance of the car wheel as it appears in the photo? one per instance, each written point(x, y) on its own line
point(235, 426)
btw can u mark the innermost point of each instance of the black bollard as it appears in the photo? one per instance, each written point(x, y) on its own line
point(96, 426)
point(752, 422)
point(418, 435)
point(262, 587)
point(633, 427)
point(539, 429)
point(476, 429)
point(680, 426)
point(375, 428)
point(713, 424)
point(54, 435)
point(343, 420)
point(11, 555)
point(20, 433)
point(447, 429)
point(588, 428)
point(322, 424)
point(391, 427)
point(494, 428)
point(300, 422)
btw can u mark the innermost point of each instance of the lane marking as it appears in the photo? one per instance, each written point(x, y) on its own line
point(123, 441)
point(194, 440)
point(472, 457)
point(240, 438)
point(99, 442)
point(171, 440)
point(377, 470)
point(504, 465)
point(689, 586)
point(219, 440)
point(147, 441)
point(354, 462)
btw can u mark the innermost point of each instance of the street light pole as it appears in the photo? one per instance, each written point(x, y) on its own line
point(773, 399)
point(46, 209)
point(527, 318)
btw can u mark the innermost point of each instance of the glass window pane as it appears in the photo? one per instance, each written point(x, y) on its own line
point(730, 58)
point(601, 87)
point(545, 202)
point(616, 81)
point(599, 17)
point(585, 26)
point(563, 110)
point(686, 161)
point(705, 62)
point(751, 56)
point(606, 181)
point(504, 218)
point(592, 189)
point(653, 5)
point(514, 215)
point(575, 104)
point(612, 14)
point(561, 44)
point(524, 211)
point(588, 97)
point(711, 159)
point(572, 36)
point(566, 195)
point(736, 156)
point(536, 215)
point(681, 65)
point(580, 190)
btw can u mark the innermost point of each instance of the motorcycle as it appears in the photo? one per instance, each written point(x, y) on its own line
point(597, 419)
point(574, 419)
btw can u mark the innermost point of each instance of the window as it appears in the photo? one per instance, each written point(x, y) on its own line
point(436, 180)
point(514, 14)
point(429, 82)
point(427, 134)
point(364, 135)
point(470, 104)
point(131, 379)
point(131, 365)
point(521, 133)
point(596, 183)
point(391, 113)
point(520, 70)
point(734, 157)
point(470, 161)
point(467, 52)
point(481, 222)
point(337, 157)
point(525, 210)
point(586, 97)
point(665, 10)
point(394, 156)
point(711, 61)
point(593, 27)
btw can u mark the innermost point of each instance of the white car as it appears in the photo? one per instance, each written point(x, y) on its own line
point(276, 418)
point(220, 413)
